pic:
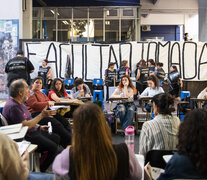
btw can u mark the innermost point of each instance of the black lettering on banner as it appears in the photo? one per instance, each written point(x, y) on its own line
point(130, 54)
point(171, 63)
point(183, 58)
point(55, 60)
point(72, 52)
point(148, 50)
point(83, 59)
point(60, 63)
point(142, 54)
point(200, 58)
point(28, 52)
point(111, 49)
point(158, 52)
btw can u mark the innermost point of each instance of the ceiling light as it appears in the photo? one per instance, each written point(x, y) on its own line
point(107, 22)
point(52, 11)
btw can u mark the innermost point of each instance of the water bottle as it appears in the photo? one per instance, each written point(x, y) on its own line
point(129, 137)
point(50, 127)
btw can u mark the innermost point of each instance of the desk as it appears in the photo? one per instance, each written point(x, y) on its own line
point(179, 112)
point(32, 148)
point(72, 103)
point(84, 99)
point(34, 159)
point(199, 101)
point(112, 99)
point(19, 135)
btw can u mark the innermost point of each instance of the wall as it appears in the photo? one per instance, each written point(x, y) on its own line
point(12, 9)
point(202, 20)
point(168, 12)
point(170, 33)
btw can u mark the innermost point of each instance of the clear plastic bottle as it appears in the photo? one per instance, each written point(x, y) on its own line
point(129, 137)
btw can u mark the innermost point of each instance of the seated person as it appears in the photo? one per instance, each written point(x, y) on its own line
point(58, 91)
point(93, 155)
point(126, 109)
point(12, 166)
point(203, 95)
point(16, 112)
point(46, 73)
point(37, 101)
point(153, 87)
point(189, 162)
point(161, 132)
point(80, 89)
point(159, 72)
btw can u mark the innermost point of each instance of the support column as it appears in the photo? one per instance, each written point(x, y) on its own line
point(202, 16)
point(27, 19)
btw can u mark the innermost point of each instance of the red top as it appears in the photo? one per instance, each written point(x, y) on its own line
point(53, 92)
point(36, 102)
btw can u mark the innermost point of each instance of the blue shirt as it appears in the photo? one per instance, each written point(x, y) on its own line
point(181, 167)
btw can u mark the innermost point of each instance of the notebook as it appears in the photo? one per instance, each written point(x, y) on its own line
point(10, 129)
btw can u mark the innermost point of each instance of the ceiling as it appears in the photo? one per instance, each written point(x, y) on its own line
point(62, 3)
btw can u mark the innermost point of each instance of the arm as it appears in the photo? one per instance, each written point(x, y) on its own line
point(127, 93)
point(181, 83)
point(144, 93)
point(54, 97)
point(35, 104)
point(138, 75)
point(49, 74)
point(127, 71)
point(202, 94)
point(45, 113)
point(11, 162)
point(88, 91)
point(75, 94)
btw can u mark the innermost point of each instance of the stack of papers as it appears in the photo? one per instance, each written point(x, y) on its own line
point(23, 146)
point(58, 107)
point(11, 129)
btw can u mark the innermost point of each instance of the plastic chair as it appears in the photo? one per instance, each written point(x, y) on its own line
point(155, 157)
point(98, 84)
point(183, 94)
point(69, 83)
point(43, 91)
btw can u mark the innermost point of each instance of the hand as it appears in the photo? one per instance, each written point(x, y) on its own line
point(44, 128)
point(138, 96)
point(206, 89)
point(81, 92)
point(48, 113)
point(88, 95)
point(51, 103)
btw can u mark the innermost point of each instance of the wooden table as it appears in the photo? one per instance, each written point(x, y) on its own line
point(112, 99)
point(84, 99)
point(199, 101)
point(144, 101)
point(179, 103)
point(72, 103)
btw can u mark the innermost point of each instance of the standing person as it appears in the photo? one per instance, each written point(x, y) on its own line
point(125, 109)
point(19, 67)
point(142, 75)
point(93, 155)
point(176, 82)
point(151, 65)
point(46, 73)
point(189, 162)
point(161, 132)
point(110, 78)
point(16, 112)
point(159, 72)
point(124, 69)
point(81, 89)
point(37, 101)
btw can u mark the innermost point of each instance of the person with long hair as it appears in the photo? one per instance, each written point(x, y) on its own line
point(161, 132)
point(37, 101)
point(151, 65)
point(142, 74)
point(189, 162)
point(93, 155)
point(124, 69)
point(176, 82)
point(58, 91)
point(126, 109)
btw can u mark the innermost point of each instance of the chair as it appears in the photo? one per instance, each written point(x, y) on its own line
point(98, 84)
point(69, 84)
point(183, 94)
point(155, 157)
point(43, 91)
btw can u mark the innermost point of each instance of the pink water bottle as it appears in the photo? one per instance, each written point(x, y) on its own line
point(129, 137)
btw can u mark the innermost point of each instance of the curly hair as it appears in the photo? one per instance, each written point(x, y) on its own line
point(192, 140)
point(60, 93)
point(121, 86)
point(165, 102)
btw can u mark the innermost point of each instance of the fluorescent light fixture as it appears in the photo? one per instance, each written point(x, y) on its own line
point(107, 12)
point(65, 22)
point(52, 11)
point(58, 14)
point(107, 22)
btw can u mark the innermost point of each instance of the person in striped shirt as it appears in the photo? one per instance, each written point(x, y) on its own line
point(161, 132)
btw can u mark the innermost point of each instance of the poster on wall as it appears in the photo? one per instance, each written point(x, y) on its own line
point(9, 39)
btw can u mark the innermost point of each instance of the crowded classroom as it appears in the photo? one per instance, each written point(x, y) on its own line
point(103, 90)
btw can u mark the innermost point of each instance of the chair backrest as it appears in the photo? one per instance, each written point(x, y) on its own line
point(98, 82)
point(155, 157)
point(69, 83)
point(3, 120)
point(43, 91)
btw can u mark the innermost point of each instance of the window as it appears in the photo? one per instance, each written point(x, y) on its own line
point(36, 29)
point(80, 12)
point(64, 13)
point(49, 30)
point(112, 30)
point(80, 30)
point(96, 12)
point(96, 30)
point(128, 30)
point(49, 13)
point(64, 30)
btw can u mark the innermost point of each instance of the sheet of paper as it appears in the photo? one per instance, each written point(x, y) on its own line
point(22, 146)
point(10, 129)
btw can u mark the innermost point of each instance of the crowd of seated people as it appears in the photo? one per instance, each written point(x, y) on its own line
point(92, 155)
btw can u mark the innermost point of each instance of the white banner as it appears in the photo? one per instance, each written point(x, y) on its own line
point(89, 61)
